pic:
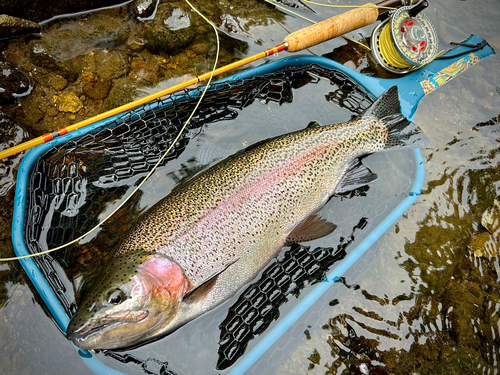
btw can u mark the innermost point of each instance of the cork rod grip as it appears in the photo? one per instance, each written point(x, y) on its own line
point(331, 28)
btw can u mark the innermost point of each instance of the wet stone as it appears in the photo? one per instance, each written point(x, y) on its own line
point(97, 89)
point(58, 82)
point(170, 31)
point(13, 26)
point(487, 244)
point(142, 8)
point(70, 47)
point(110, 64)
point(69, 102)
point(13, 82)
point(41, 57)
point(123, 92)
point(135, 41)
point(77, 38)
point(88, 76)
point(52, 111)
point(33, 113)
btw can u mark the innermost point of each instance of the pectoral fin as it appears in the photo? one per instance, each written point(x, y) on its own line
point(310, 229)
point(202, 289)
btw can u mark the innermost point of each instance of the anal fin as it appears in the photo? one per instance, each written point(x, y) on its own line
point(311, 228)
point(357, 175)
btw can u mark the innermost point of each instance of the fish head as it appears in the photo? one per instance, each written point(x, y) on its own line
point(134, 298)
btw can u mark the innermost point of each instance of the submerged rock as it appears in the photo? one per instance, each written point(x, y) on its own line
point(97, 88)
point(124, 91)
point(491, 217)
point(109, 64)
point(484, 245)
point(13, 26)
point(13, 82)
point(170, 30)
point(69, 102)
point(42, 57)
point(59, 49)
point(487, 244)
point(58, 82)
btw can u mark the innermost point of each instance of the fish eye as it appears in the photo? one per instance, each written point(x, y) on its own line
point(115, 296)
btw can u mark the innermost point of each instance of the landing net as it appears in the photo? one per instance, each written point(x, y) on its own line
point(72, 186)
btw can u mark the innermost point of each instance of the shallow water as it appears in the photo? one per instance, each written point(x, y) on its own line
point(424, 305)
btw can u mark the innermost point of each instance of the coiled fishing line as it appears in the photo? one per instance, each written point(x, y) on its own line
point(389, 52)
point(405, 41)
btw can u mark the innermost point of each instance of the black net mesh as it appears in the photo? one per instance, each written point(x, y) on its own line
point(74, 185)
point(259, 305)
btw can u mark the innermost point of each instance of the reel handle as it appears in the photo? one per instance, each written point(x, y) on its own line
point(418, 8)
point(331, 28)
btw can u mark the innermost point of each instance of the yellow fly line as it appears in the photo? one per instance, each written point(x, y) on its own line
point(391, 55)
point(389, 52)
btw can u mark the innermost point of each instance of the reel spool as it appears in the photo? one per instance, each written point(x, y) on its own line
point(405, 41)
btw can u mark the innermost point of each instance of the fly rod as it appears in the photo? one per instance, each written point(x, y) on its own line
point(297, 41)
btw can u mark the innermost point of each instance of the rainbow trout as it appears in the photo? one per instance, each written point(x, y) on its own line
point(215, 232)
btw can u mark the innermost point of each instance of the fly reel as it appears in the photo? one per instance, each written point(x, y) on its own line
point(405, 41)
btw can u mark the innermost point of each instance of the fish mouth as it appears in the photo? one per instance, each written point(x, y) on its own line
point(107, 323)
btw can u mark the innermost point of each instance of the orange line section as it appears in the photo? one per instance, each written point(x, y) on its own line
point(136, 103)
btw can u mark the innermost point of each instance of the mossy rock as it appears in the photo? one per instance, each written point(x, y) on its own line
point(124, 91)
point(13, 81)
point(170, 31)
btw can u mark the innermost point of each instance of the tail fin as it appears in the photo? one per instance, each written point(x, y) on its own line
point(403, 133)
